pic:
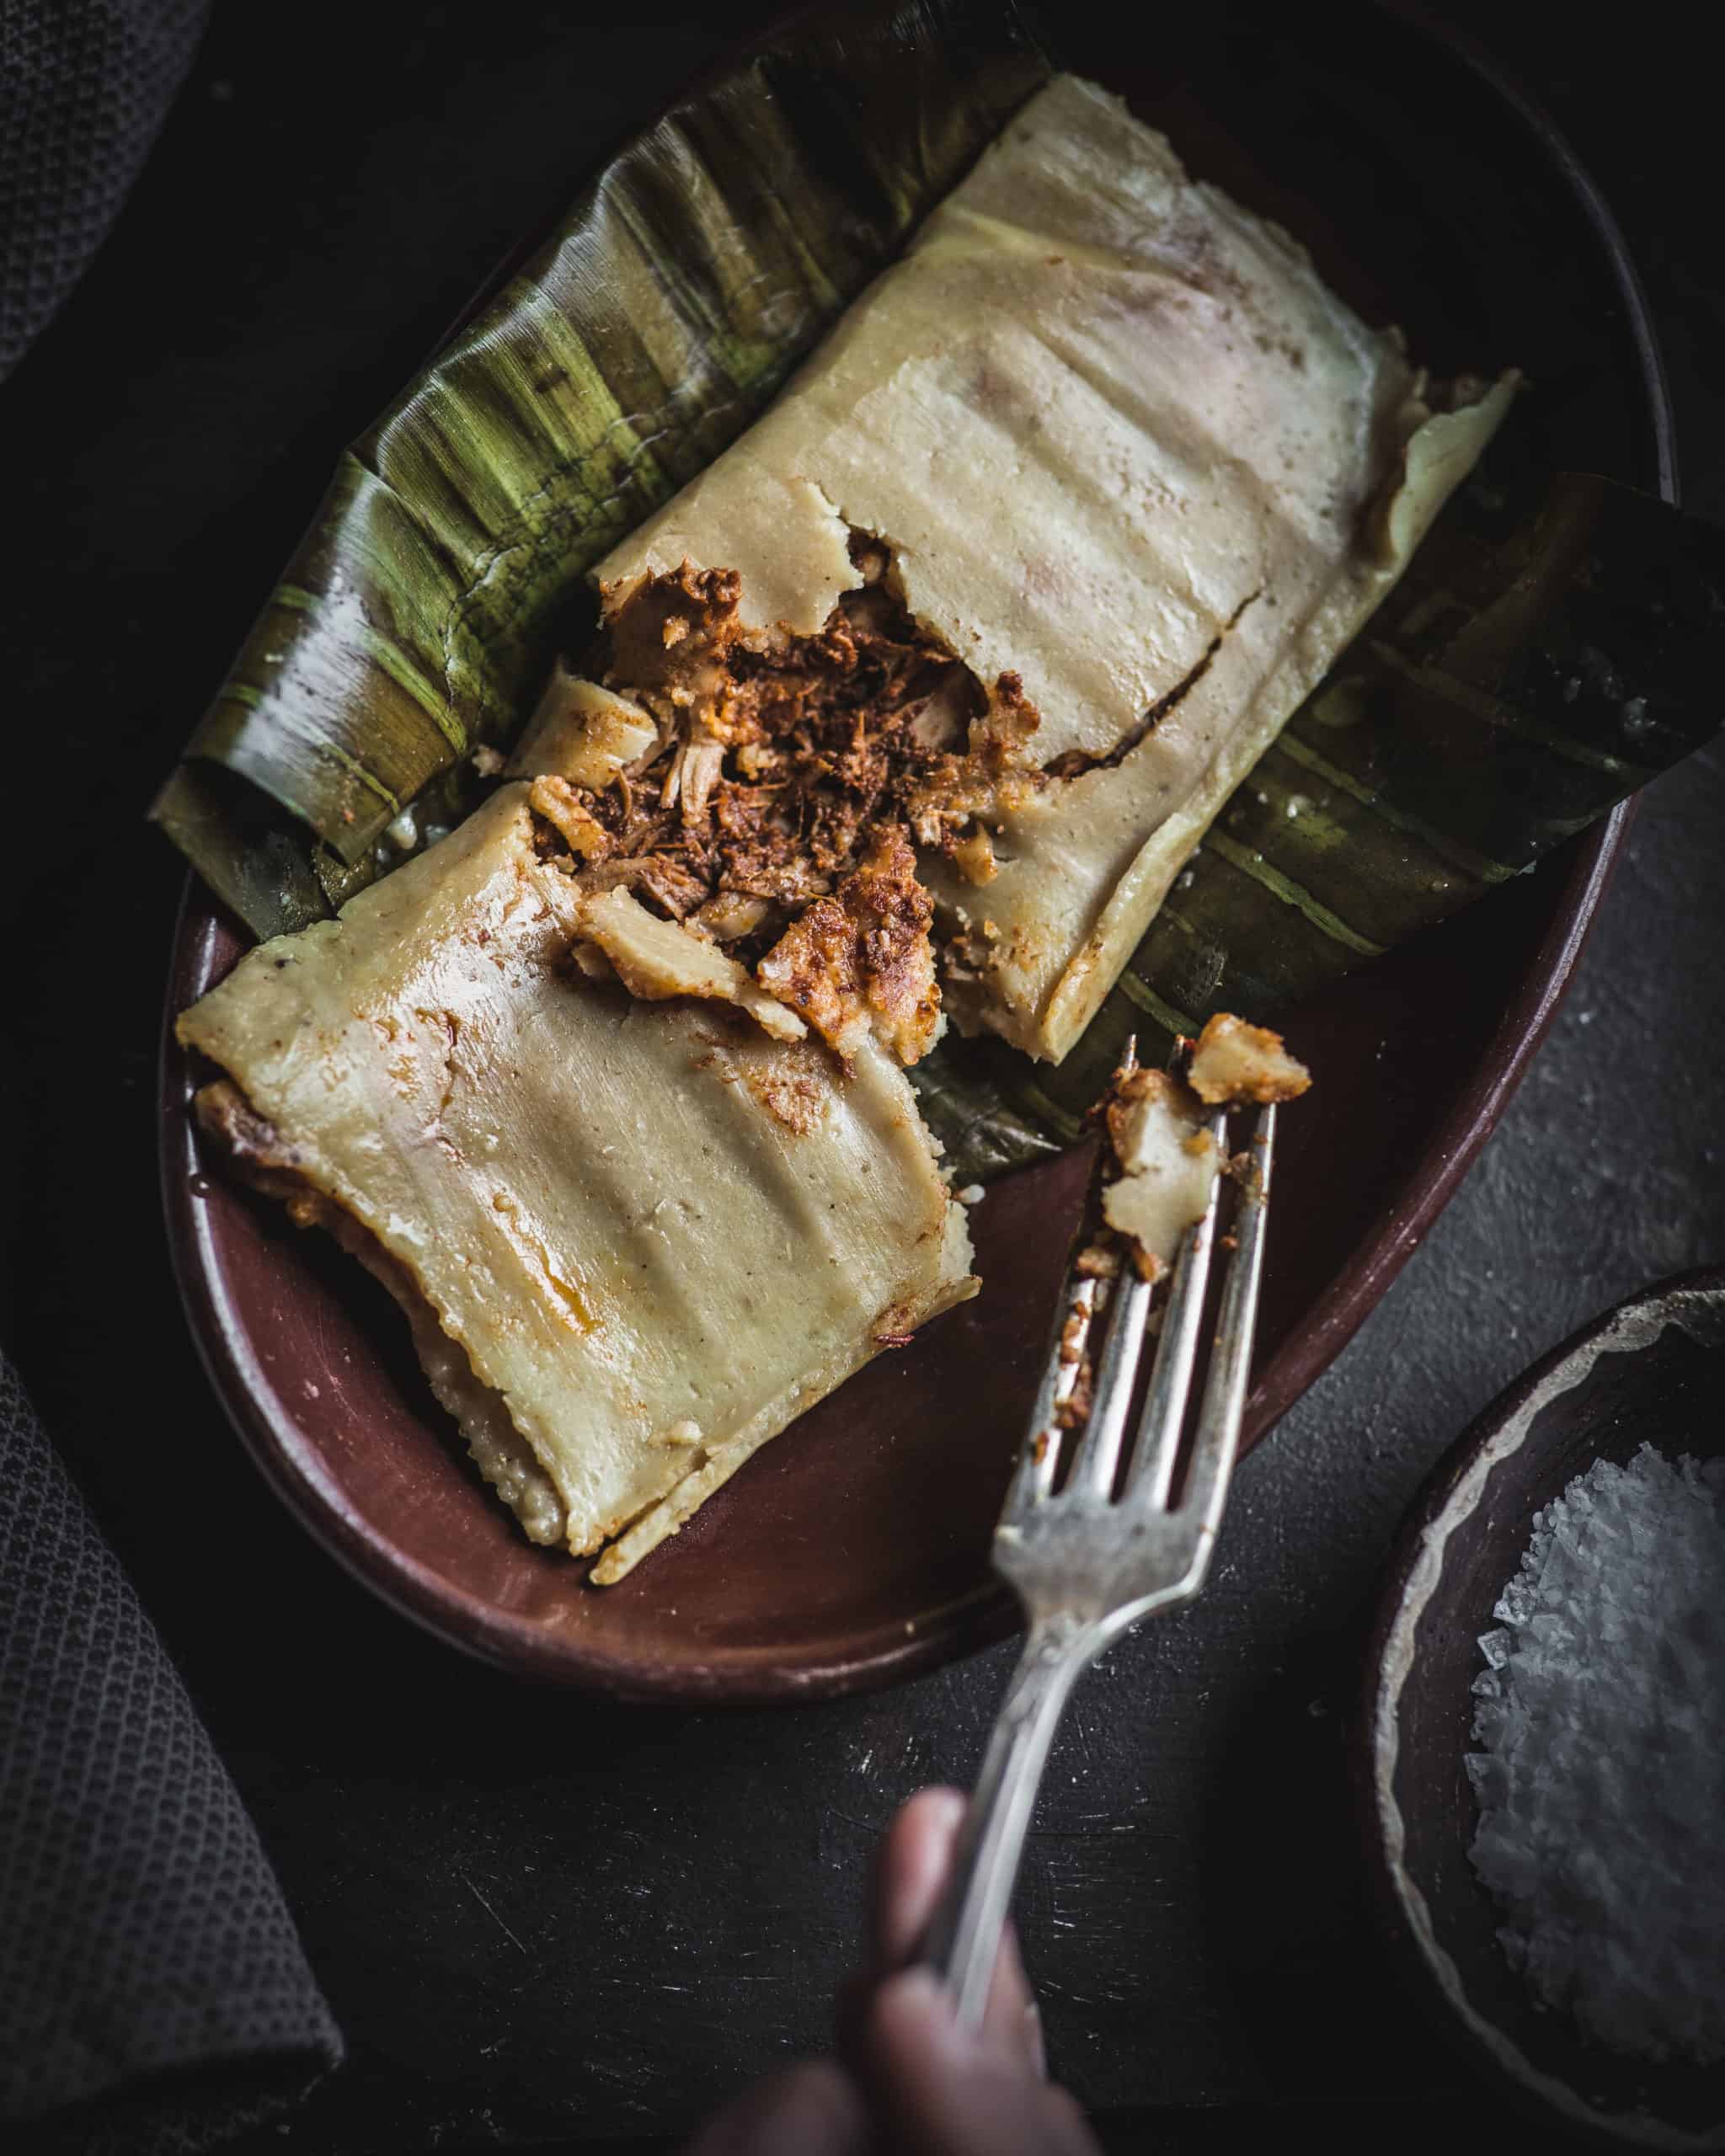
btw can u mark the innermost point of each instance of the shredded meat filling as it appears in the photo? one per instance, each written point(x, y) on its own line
point(861, 960)
point(793, 777)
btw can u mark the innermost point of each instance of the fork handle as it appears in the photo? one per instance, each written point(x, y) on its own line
point(965, 1934)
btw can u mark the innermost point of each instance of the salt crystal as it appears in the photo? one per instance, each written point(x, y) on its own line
point(1600, 1721)
point(1515, 1604)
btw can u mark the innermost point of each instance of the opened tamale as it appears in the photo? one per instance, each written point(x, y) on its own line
point(1135, 468)
point(651, 1231)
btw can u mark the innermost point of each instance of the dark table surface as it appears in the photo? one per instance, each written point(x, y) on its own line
point(536, 1917)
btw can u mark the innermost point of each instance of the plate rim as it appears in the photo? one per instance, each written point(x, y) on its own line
point(989, 1614)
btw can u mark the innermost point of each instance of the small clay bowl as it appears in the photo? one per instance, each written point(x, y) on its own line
point(1653, 1369)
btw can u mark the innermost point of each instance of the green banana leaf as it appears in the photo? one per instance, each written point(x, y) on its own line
point(1554, 645)
point(420, 613)
point(1547, 651)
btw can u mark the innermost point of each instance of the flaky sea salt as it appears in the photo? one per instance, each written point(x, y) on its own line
point(1601, 1772)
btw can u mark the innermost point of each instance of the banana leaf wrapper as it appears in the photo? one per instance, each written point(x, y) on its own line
point(1545, 652)
point(1553, 645)
point(420, 616)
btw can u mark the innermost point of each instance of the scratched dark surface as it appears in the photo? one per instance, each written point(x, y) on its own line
point(538, 1920)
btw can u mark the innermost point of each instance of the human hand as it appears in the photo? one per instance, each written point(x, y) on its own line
point(908, 2080)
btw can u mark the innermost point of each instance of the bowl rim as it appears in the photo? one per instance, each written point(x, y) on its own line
point(1447, 1496)
point(989, 1614)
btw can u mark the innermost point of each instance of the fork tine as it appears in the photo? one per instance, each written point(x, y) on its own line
point(1158, 1441)
point(1099, 1444)
point(1040, 1454)
point(1218, 1437)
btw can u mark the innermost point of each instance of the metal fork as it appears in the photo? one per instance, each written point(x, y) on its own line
point(1089, 1564)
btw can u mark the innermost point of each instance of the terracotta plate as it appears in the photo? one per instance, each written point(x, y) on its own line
point(1651, 1370)
point(852, 1550)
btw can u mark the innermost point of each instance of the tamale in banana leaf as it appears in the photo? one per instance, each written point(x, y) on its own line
point(421, 614)
point(1140, 470)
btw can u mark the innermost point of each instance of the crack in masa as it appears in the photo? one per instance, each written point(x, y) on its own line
point(1077, 762)
point(451, 1026)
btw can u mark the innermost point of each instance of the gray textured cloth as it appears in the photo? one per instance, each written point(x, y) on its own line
point(84, 87)
point(143, 1932)
point(154, 1994)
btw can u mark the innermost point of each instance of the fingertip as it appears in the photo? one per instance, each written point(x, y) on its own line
point(911, 1868)
point(921, 1835)
point(939, 1807)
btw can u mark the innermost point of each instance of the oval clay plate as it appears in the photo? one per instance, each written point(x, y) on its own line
point(853, 1550)
point(1650, 1370)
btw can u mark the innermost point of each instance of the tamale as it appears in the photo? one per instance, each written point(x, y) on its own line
point(1129, 457)
point(652, 1232)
